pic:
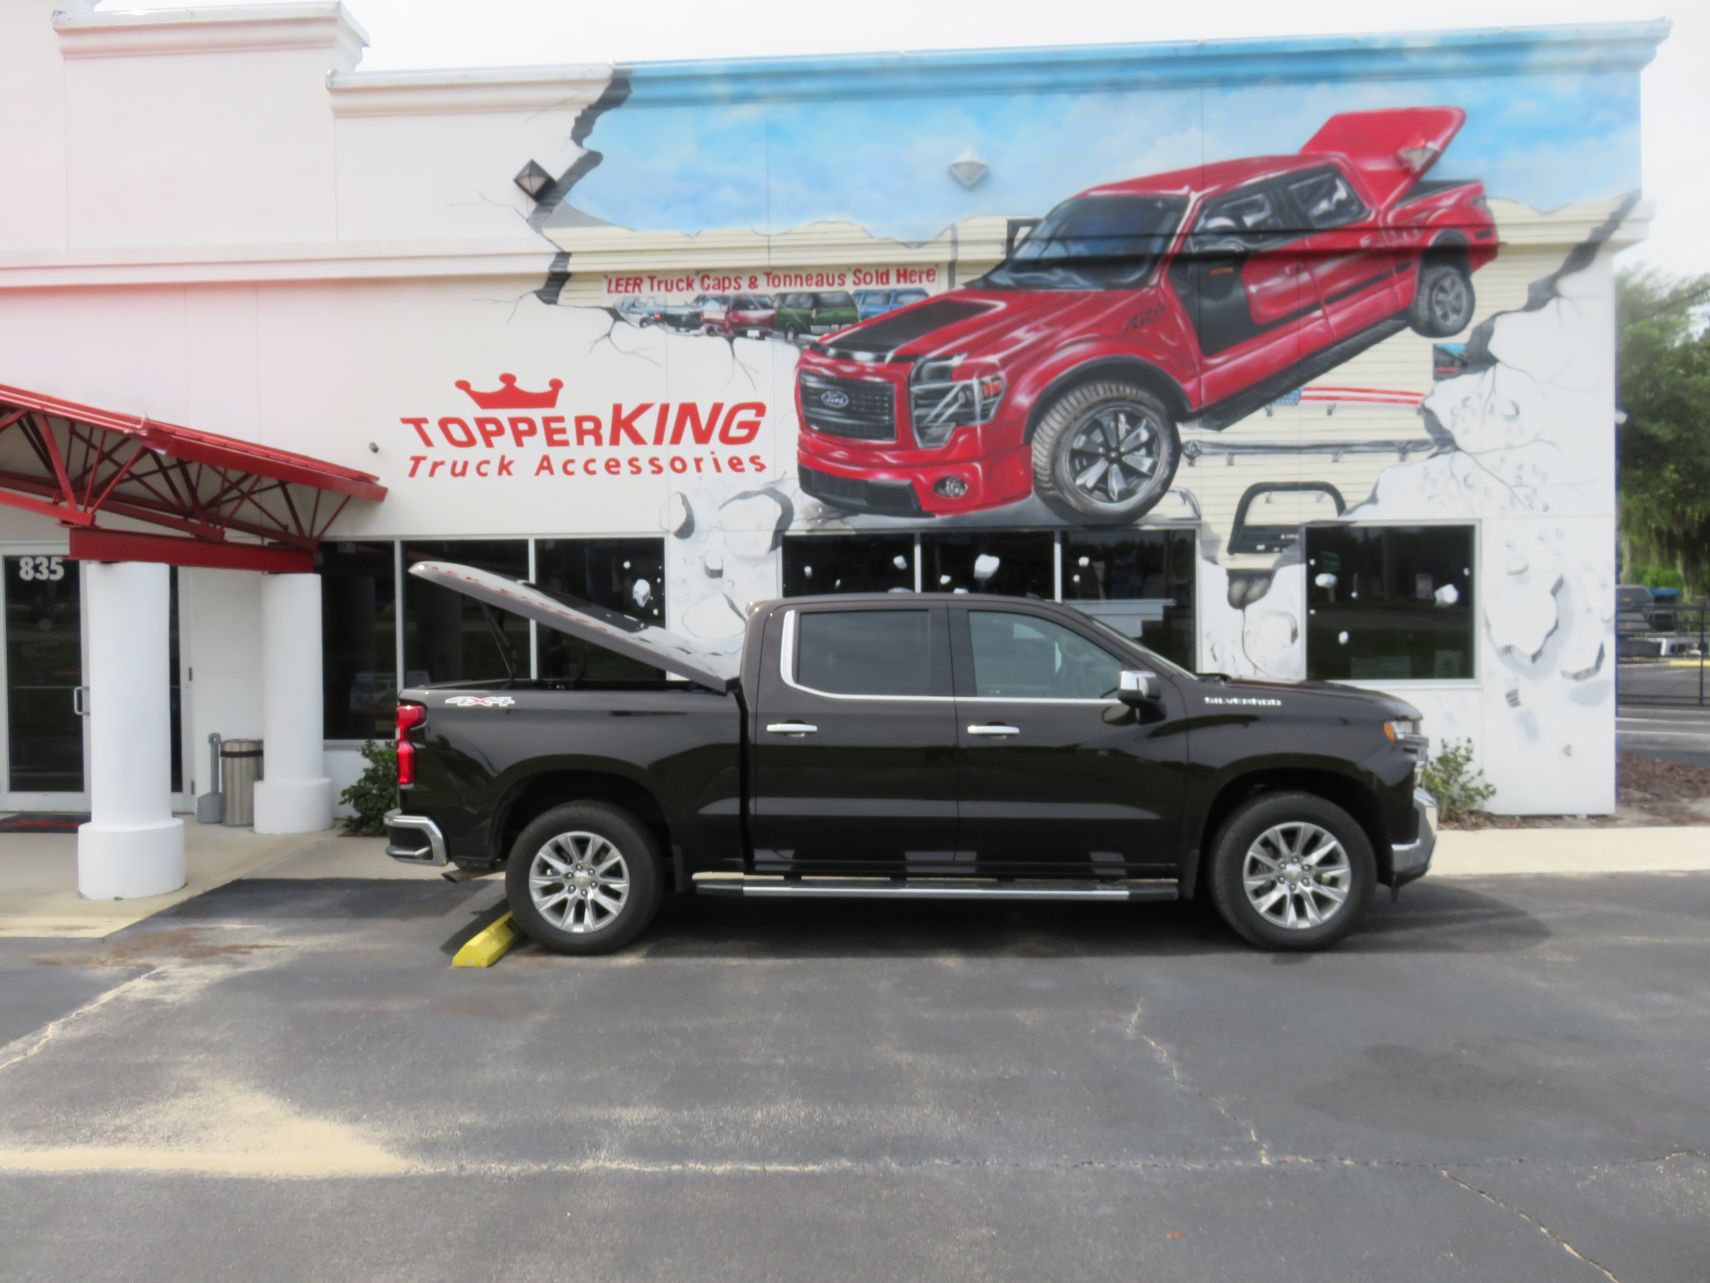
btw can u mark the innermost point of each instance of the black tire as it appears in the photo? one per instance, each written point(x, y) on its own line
point(1444, 302)
point(641, 862)
point(1084, 424)
point(1243, 830)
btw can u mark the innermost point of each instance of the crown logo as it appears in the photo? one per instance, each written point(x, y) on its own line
point(508, 396)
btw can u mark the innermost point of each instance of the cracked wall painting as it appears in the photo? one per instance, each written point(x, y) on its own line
point(770, 304)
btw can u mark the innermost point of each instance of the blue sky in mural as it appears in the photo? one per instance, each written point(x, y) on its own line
point(1544, 138)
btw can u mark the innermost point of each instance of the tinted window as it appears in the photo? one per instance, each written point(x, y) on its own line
point(909, 296)
point(625, 575)
point(446, 637)
point(1326, 200)
point(359, 658)
point(847, 563)
point(865, 652)
point(1143, 582)
point(836, 300)
point(1389, 602)
point(1020, 657)
point(1020, 564)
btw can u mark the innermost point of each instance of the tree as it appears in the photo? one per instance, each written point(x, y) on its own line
point(1663, 446)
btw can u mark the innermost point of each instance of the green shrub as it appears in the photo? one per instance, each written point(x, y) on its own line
point(1456, 783)
point(375, 791)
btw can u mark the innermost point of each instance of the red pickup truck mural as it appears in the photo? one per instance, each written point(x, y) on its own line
point(1197, 296)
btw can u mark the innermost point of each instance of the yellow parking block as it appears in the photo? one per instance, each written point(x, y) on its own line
point(488, 945)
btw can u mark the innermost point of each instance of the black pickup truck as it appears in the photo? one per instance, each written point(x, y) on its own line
point(915, 746)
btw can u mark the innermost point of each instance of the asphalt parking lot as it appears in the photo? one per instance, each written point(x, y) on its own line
point(1672, 734)
point(1500, 1078)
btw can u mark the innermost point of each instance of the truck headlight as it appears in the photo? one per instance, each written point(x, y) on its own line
point(1400, 730)
point(943, 395)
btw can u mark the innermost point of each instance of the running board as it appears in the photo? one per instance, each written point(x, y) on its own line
point(932, 888)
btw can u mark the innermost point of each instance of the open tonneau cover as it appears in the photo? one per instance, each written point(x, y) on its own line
point(1391, 149)
point(605, 628)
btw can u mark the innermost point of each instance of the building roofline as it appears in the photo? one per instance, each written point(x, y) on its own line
point(1614, 46)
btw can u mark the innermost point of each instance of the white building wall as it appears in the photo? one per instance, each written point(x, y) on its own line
point(232, 228)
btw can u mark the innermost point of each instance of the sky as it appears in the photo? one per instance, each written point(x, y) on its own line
point(1675, 88)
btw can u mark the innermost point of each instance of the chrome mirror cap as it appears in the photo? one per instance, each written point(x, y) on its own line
point(1134, 685)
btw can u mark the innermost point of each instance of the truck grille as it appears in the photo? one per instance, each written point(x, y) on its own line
point(894, 497)
point(863, 409)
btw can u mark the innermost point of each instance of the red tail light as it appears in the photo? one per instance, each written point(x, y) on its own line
point(410, 716)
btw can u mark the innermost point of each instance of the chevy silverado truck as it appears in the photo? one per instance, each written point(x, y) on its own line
point(906, 746)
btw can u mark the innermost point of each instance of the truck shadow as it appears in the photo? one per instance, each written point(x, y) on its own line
point(1427, 920)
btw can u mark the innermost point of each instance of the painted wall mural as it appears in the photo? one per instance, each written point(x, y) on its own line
point(1046, 292)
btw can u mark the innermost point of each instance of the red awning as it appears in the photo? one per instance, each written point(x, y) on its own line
point(75, 463)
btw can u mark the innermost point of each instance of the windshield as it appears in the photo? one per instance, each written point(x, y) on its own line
point(1091, 243)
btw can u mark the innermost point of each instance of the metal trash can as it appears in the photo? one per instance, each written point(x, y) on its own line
point(240, 768)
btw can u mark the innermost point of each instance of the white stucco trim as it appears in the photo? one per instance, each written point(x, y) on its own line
point(410, 93)
point(315, 24)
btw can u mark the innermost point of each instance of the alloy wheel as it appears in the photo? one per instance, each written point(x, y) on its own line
point(1297, 875)
point(1449, 301)
point(1113, 453)
point(579, 882)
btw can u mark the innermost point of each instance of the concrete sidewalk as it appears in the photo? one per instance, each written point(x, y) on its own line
point(38, 875)
point(1466, 853)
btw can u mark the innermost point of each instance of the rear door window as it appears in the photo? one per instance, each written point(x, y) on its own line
point(869, 653)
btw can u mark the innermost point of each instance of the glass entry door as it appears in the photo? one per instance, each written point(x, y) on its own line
point(44, 683)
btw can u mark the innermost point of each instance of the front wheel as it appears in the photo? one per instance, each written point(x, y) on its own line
point(1104, 453)
point(584, 878)
point(1443, 304)
point(1291, 871)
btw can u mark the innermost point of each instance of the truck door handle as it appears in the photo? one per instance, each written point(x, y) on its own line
point(80, 701)
point(993, 728)
point(791, 728)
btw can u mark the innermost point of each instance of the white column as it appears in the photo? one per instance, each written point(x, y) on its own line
point(295, 794)
point(132, 846)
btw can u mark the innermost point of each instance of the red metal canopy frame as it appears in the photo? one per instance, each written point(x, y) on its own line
point(75, 463)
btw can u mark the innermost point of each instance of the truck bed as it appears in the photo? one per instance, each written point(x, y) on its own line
point(488, 746)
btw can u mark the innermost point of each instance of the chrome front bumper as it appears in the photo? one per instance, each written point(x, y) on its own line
point(414, 839)
point(1409, 860)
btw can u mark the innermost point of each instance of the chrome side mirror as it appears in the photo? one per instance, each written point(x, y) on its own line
point(1134, 687)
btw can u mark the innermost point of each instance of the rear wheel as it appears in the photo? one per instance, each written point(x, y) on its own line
point(1291, 871)
point(1443, 304)
point(1104, 453)
point(584, 878)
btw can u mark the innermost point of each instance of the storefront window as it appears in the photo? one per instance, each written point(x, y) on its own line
point(1142, 582)
point(848, 563)
point(626, 575)
point(1019, 563)
point(1389, 602)
point(446, 637)
point(359, 657)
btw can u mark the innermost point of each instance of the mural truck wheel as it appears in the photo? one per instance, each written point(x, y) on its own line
point(1104, 453)
point(1443, 304)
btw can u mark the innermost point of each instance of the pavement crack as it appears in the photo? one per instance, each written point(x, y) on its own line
point(21, 1049)
point(1162, 1053)
point(1534, 1222)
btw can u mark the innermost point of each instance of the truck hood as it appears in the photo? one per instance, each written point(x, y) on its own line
point(991, 323)
point(1352, 699)
point(607, 629)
